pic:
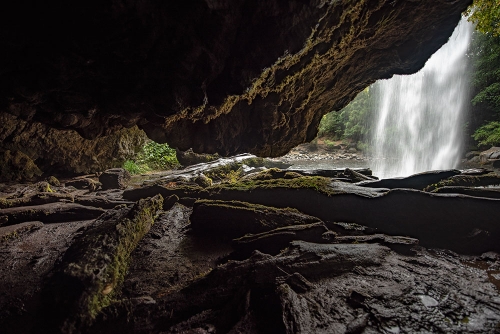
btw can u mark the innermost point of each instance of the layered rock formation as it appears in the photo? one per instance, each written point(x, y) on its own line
point(30, 148)
point(218, 76)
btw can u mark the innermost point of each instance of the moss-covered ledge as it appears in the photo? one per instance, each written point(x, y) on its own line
point(92, 270)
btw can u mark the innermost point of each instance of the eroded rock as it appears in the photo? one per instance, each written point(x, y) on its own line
point(93, 268)
point(226, 76)
point(115, 178)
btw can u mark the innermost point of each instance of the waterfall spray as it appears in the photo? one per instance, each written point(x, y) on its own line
point(418, 124)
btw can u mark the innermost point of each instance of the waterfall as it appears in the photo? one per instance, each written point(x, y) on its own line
point(418, 122)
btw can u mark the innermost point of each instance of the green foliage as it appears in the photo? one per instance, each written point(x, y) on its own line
point(486, 15)
point(133, 168)
point(352, 122)
point(158, 156)
point(485, 118)
point(488, 134)
point(153, 156)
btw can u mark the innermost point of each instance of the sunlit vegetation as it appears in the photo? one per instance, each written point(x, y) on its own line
point(486, 15)
point(153, 156)
point(352, 123)
point(485, 116)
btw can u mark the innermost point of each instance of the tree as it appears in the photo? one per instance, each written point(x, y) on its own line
point(486, 15)
point(352, 122)
point(485, 56)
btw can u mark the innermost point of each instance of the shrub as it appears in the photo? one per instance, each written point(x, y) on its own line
point(488, 134)
point(153, 156)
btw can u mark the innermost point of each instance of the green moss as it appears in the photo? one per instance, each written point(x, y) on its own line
point(5, 203)
point(100, 258)
point(317, 183)
point(466, 181)
point(52, 180)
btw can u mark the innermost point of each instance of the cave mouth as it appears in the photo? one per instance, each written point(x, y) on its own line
point(197, 235)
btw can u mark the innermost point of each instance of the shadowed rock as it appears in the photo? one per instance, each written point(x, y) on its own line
point(460, 223)
point(417, 181)
point(231, 219)
point(226, 76)
point(115, 178)
point(50, 213)
point(93, 268)
point(275, 240)
point(470, 191)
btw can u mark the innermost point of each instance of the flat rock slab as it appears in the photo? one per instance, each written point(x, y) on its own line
point(13, 231)
point(50, 213)
point(417, 181)
point(231, 219)
point(470, 191)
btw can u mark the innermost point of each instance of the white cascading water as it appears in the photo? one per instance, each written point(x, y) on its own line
point(418, 125)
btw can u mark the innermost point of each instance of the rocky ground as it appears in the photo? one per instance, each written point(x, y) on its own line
point(244, 245)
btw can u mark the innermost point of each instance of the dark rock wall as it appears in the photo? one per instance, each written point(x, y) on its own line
point(30, 148)
point(221, 76)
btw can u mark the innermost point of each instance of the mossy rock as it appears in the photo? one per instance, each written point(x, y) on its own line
point(53, 181)
point(17, 166)
point(92, 270)
point(466, 181)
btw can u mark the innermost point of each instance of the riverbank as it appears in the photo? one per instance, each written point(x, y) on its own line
point(326, 154)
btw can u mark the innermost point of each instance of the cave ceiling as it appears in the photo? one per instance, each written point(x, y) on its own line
point(225, 76)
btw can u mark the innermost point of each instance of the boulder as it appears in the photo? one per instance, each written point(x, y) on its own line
point(188, 158)
point(492, 153)
point(115, 178)
point(83, 183)
point(471, 154)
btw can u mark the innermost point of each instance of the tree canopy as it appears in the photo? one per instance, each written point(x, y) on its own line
point(486, 15)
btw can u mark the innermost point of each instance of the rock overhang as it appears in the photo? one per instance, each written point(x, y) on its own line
point(216, 76)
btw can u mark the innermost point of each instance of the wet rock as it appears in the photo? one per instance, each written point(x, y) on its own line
point(437, 220)
point(398, 244)
point(334, 173)
point(55, 151)
point(491, 154)
point(203, 181)
point(417, 181)
point(50, 213)
point(93, 268)
point(470, 191)
point(35, 199)
point(467, 181)
point(115, 178)
point(83, 183)
point(188, 158)
point(13, 231)
point(273, 241)
point(475, 159)
point(475, 171)
point(355, 176)
point(231, 219)
point(471, 154)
